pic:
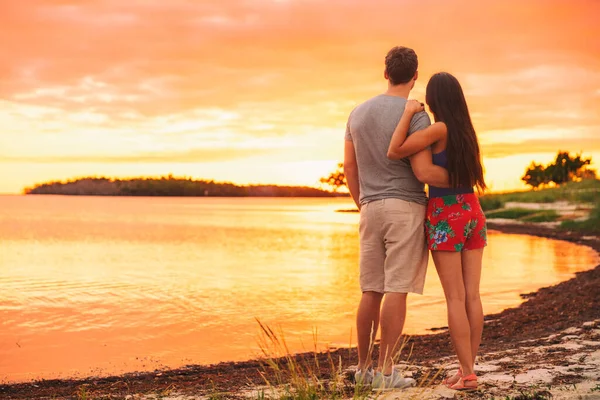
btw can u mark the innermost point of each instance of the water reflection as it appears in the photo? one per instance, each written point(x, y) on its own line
point(119, 284)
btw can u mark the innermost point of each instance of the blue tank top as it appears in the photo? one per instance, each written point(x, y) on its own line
point(442, 160)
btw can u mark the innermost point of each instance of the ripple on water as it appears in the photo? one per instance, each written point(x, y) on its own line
point(123, 279)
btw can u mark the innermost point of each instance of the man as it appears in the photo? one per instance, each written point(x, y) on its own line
point(391, 198)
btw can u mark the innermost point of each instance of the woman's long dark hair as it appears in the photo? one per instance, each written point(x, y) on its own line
point(448, 105)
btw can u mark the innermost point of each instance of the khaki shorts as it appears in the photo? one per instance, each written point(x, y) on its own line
point(393, 250)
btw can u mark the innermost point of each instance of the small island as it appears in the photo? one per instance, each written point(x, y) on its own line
point(171, 186)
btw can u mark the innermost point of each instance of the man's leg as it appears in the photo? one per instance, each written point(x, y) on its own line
point(393, 314)
point(372, 258)
point(405, 268)
point(367, 321)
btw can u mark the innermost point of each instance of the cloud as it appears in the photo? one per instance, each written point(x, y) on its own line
point(131, 80)
point(160, 57)
point(499, 150)
point(543, 95)
point(201, 155)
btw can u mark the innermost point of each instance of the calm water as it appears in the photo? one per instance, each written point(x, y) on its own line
point(108, 285)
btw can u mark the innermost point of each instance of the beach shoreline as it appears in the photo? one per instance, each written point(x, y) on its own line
point(544, 313)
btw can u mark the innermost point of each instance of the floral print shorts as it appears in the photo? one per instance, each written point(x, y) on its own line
point(455, 223)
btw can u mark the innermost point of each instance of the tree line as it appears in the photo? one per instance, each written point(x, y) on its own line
point(564, 168)
point(170, 186)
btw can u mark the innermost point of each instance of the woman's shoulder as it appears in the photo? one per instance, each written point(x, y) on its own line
point(441, 135)
point(438, 130)
point(440, 125)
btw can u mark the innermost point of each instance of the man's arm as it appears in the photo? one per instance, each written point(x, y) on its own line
point(427, 172)
point(351, 171)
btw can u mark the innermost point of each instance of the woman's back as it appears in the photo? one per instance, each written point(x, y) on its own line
point(441, 159)
point(447, 102)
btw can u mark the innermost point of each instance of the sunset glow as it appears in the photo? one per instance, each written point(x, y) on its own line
point(259, 91)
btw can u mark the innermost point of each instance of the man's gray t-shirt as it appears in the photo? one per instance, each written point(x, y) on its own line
point(370, 128)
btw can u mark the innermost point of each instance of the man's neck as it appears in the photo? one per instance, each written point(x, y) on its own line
point(398, 90)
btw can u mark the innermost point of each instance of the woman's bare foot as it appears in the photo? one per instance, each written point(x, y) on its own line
point(466, 383)
point(453, 379)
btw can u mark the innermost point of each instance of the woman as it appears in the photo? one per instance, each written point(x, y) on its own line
point(455, 225)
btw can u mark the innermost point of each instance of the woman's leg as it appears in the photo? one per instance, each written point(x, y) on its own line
point(471, 270)
point(449, 268)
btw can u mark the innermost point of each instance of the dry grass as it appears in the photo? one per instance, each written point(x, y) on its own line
point(293, 377)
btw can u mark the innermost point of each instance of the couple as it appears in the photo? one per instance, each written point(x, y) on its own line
point(391, 151)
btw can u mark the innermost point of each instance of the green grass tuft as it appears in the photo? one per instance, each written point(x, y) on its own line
point(586, 191)
point(82, 393)
point(491, 202)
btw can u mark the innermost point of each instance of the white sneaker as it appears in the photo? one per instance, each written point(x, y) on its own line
point(393, 381)
point(364, 377)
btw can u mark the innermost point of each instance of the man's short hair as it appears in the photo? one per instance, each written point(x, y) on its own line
point(401, 64)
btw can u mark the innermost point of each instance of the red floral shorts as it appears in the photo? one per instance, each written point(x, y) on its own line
point(455, 223)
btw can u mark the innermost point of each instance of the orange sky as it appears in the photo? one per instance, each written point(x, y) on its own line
point(259, 91)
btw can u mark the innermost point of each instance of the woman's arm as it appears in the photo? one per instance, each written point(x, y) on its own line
point(418, 141)
point(410, 109)
point(427, 172)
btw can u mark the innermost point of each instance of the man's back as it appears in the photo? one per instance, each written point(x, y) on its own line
point(370, 127)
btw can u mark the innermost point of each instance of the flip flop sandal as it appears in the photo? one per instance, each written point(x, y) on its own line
point(447, 382)
point(460, 385)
